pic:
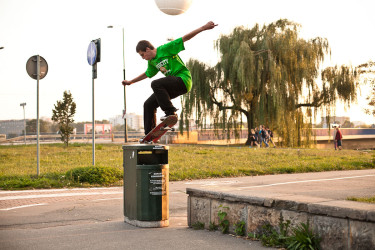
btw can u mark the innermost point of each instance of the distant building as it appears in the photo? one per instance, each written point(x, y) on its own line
point(133, 121)
point(117, 120)
point(12, 128)
point(334, 119)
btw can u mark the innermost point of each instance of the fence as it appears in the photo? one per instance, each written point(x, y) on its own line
point(354, 138)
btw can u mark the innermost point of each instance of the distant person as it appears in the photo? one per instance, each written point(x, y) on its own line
point(270, 137)
point(252, 139)
point(334, 137)
point(338, 138)
point(257, 135)
point(264, 136)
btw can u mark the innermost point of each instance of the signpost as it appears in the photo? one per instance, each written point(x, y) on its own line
point(93, 57)
point(37, 69)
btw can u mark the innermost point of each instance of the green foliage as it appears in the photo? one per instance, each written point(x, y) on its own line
point(276, 237)
point(252, 236)
point(198, 225)
point(303, 238)
point(95, 175)
point(239, 228)
point(76, 177)
point(268, 75)
point(223, 223)
point(367, 74)
point(63, 114)
point(52, 180)
point(212, 226)
point(44, 126)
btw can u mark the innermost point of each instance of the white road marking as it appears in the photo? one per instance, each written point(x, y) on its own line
point(211, 183)
point(294, 182)
point(54, 195)
point(108, 199)
point(31, 205)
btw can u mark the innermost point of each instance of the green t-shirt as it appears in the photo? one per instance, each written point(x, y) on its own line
point(169, 63)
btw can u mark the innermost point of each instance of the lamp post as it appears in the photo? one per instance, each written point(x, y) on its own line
point(123, 70)
point(24, 120)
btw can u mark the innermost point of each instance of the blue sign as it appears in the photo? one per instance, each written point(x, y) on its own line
point(91, 53)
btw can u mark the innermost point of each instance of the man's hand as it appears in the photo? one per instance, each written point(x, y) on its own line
point(126, 82)
point(208, 26)
point(137, 79)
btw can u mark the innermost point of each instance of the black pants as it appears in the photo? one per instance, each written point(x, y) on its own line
point(165, 89)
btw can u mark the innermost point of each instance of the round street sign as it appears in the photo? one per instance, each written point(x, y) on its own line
point(31, 67)
point(91, 53)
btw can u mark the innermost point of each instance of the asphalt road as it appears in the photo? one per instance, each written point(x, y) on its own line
point(93, 218)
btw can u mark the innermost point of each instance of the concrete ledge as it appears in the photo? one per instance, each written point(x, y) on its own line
point(341, 224)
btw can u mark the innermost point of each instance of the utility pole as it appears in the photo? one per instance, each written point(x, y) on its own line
point(124, 78)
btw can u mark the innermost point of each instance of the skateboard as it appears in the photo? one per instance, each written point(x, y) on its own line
point(154, 135)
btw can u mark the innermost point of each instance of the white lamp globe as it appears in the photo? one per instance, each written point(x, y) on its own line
point(173, 7)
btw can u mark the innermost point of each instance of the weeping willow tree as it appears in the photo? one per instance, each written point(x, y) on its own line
point(268, 76)
point(367, 72)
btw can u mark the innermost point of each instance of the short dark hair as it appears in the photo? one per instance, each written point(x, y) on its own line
point(143, 45)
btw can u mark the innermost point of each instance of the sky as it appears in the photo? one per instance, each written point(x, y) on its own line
point(60, 32)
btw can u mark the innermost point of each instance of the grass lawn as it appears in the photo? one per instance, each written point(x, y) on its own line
point(363, 199)
point(185, 161)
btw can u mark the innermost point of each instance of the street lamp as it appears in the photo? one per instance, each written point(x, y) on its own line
point(123, 69)
point(24, 120)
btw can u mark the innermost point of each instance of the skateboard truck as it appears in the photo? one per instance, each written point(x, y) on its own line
point(167, 129)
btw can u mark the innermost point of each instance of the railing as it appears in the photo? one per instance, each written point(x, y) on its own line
point(116, 136)
point(195, 137)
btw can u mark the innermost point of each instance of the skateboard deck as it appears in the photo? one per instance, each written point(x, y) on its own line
point(162, 128)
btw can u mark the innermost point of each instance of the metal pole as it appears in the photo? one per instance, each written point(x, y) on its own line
point(24, 123)
point(123, 56)
point(93, 116)
point(37, 109)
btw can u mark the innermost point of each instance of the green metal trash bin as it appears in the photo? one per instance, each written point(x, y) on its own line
point(146, 185)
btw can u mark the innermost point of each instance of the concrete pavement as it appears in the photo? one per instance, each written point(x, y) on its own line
point(93, 218)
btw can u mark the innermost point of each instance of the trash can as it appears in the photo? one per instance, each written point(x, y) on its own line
point(146, 185)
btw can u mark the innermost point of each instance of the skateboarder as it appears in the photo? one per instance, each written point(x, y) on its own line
point(177, 80)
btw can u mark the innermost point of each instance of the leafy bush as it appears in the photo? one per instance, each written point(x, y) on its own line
point(95, 175)
point(51, 180)
point(303, 238)
point(198, 225)
point(271, 237)
point(212, 226)
point(240, 228)
point(223, 223)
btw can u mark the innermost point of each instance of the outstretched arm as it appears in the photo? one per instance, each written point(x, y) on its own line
point(207, 26)
point(137, 79)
